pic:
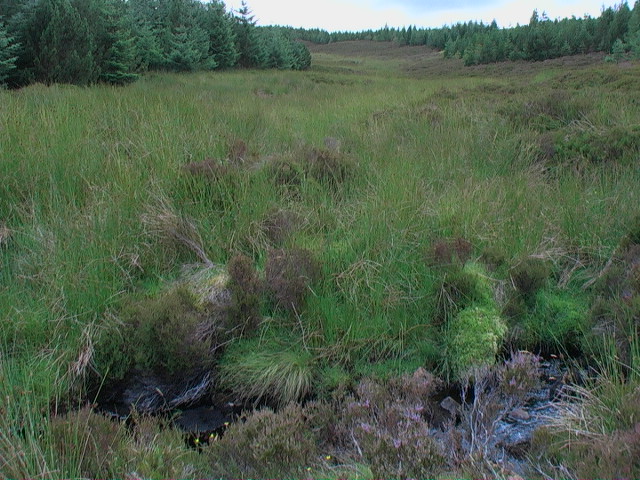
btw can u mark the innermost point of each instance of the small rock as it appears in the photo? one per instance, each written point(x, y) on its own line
point(519, 415)
point(450, 405)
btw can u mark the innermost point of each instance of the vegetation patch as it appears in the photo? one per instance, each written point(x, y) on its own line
point(164, 334)
point(473, 337)
point(266, 444)
point(288, 276)
point(459, 288)
point(550, 111)
point(257, 371)
point(615, 144)
point(164, 238)
point(558, 321)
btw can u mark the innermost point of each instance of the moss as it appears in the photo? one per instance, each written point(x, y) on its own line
point(208, 287)
point(473, 338)
point(483, 287)
point(558, 320)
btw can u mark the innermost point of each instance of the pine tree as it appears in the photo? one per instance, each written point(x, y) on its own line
point(189, 50)
point(147, 52)
point(301, 56)
point(8, 8)
point(117, 66)
point(634, 21)
point(8, 54)
point(222, 41)
point(620, 24)
point(143, 18)
point(64, 49)
point(617, 52)
point(114, 45)
point(248, 42)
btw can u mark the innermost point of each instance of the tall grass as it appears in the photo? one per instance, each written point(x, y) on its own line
point(433, 158)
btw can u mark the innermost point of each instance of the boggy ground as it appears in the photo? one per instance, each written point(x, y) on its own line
point(338, 244)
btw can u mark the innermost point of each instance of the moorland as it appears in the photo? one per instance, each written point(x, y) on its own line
point(333, 251)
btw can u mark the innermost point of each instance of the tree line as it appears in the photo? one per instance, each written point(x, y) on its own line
point(114, 41)
point(615, 31)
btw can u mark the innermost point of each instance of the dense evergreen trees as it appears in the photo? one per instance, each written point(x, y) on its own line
point(8, 54)
point(113, 41)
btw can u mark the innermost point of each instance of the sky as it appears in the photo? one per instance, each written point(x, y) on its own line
point(357, 15)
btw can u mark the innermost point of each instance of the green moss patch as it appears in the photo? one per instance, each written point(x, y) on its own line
point(473, 338)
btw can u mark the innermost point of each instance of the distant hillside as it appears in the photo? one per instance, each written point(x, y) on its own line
point(616, 32)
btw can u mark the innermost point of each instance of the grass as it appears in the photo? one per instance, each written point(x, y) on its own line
point(433, 151)
point(260, 371)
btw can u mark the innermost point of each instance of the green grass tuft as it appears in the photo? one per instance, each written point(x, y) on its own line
point(256, 371)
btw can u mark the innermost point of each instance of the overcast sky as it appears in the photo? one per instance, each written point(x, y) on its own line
point(356, 15)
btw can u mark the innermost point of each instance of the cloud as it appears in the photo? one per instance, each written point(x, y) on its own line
point(439, 5)
point(358, 15)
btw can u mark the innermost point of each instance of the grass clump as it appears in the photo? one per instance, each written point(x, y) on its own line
point(163, 332)
point(246, 290)
point(596, 435)
point(87, 444)
point(288, 274)
point(87, 441)
point(257, 371)
point(459, 288)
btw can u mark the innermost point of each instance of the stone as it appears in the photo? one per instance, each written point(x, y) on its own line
point(451, 406)
point(519, 415)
